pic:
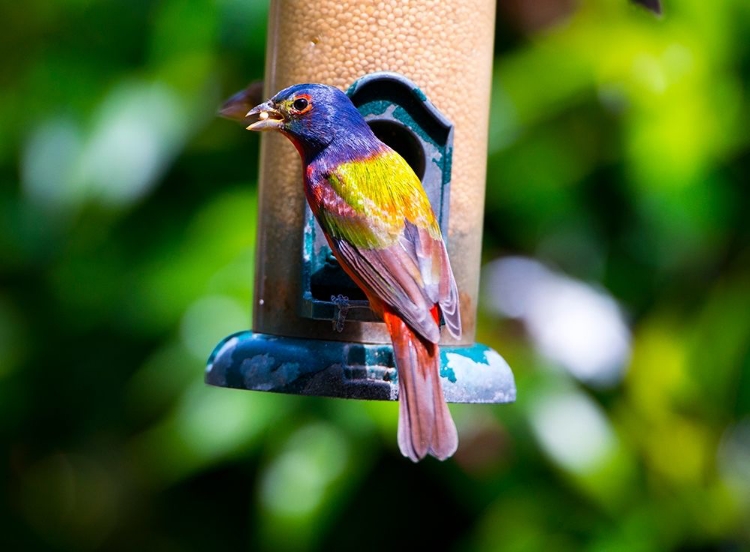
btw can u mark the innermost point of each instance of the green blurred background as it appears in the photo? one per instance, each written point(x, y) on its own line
point(617, 285)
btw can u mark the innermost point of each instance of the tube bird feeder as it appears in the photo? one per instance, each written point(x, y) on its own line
point(420, 73)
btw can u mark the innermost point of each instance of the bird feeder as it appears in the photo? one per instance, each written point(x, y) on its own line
point(420, 74)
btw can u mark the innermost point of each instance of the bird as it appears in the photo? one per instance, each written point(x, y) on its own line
point(381, 228)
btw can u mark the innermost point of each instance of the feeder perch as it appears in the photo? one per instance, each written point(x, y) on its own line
point(313, 332)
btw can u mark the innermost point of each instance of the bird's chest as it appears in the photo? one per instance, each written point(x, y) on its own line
point(324, 198)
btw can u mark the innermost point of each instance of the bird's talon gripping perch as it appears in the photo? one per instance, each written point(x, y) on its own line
point(342, 309)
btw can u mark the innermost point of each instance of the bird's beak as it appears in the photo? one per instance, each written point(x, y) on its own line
point(269, 118)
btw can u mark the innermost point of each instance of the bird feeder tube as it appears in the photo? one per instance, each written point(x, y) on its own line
point(420, 73)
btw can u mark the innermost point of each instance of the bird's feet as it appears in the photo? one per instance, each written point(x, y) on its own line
point(342, 309)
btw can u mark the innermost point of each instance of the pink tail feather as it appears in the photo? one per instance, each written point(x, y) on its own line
point(425, 425)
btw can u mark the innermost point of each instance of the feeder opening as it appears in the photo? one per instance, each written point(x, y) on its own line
point(403, 140)
point(331, 280)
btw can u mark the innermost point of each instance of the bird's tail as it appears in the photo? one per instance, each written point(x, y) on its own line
point(425, 425)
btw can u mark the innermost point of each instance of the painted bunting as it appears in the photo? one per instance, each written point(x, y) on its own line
point(379, 223)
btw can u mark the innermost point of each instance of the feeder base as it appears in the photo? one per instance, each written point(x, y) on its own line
point(262, 362)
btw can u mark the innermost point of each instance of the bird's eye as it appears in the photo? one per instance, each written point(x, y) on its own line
point(300, 104)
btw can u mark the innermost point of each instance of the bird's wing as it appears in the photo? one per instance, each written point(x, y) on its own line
point(386, 235)
point(388, 275)
point(429, 253)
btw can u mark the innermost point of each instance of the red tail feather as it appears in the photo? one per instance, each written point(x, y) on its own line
point(425, 425)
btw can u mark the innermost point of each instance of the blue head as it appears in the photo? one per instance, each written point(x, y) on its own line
point(314, 117)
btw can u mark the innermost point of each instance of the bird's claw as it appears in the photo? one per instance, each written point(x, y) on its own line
point(342, 308)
